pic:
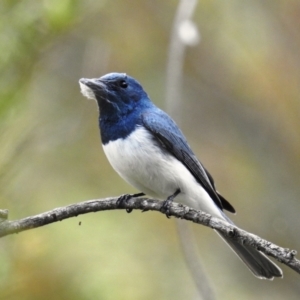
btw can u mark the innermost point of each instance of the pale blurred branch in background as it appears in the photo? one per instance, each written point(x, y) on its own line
point(283, 255)
point(184, 33)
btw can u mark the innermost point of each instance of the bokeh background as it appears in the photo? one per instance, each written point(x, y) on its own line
point(240, 110)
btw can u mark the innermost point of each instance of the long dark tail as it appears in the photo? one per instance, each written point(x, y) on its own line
point(260, 265)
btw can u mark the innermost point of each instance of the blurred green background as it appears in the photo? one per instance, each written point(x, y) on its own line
point(240, 113)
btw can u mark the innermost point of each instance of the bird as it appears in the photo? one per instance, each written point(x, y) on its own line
point(148, 150)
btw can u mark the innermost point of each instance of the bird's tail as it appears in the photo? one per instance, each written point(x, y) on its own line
point(259, 264)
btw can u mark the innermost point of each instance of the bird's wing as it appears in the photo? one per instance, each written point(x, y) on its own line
point(226, 205)
point(164, 129)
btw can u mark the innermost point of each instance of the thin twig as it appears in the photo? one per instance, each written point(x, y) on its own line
point(181, 211)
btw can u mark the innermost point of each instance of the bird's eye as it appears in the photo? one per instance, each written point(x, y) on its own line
point(123, 84)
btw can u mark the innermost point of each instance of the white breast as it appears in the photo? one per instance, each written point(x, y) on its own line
point(155, 172)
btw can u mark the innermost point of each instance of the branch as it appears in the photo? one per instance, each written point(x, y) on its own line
point(177, 210)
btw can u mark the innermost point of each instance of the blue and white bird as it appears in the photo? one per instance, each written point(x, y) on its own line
point(147, 149)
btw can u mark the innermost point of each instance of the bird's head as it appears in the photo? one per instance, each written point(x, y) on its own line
point(117, 94)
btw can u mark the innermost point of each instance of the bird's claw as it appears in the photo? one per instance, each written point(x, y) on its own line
point(123, 200)
point(165, 208)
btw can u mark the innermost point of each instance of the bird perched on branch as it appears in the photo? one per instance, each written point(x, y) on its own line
point(147, 149)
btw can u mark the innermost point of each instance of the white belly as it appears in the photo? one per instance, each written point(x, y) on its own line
point(156, 173)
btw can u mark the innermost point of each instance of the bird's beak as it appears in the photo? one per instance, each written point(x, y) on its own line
point(91, 87)
point(93, 84)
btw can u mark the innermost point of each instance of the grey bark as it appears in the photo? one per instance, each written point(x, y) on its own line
point(283, 255)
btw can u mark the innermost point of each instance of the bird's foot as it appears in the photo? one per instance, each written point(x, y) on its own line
point(124, 199)
point(165, 207)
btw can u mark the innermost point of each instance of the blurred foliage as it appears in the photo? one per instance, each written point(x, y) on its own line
point(240, 111)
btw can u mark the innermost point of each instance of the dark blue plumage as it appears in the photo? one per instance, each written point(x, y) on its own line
point(121, 107)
